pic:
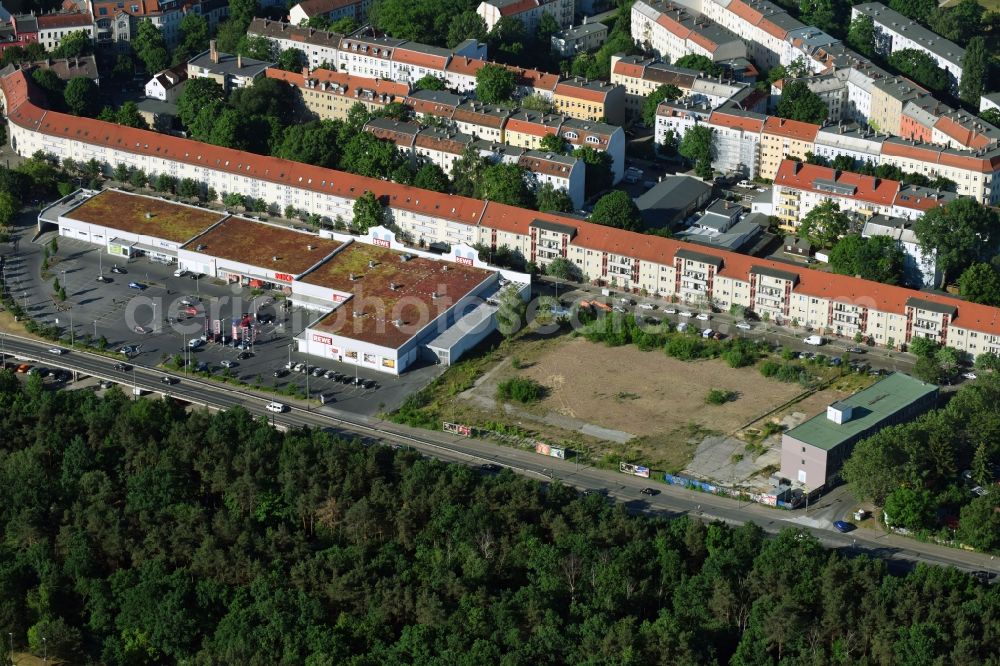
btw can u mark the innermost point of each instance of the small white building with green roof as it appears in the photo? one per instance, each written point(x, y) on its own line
point(813, 452)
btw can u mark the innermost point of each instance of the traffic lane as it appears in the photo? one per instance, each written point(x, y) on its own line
point(709, 507)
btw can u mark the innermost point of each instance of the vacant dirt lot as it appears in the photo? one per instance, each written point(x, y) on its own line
point(645, 393)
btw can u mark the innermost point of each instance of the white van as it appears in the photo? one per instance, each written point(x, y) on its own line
point(275, 407)
point(814, 340)
point(180, 272)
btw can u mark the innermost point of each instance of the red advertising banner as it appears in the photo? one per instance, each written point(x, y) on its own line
point(463, 260)
point(322, 339)
point(380, 242)
point(284, 277)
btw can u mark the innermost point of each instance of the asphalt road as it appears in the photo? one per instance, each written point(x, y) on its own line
point(669, 501)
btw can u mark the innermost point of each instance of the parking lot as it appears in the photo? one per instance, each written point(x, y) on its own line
point(159, 316)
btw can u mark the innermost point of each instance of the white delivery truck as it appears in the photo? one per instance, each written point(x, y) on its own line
point(814, 340)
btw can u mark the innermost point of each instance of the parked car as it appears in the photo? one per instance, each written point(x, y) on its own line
point(650, 491)
point(103, 279)
point(330, 374)
point(23, 368)
point(119, 270)
point(842, 526)
point(856, 350)
point(969, 375)
point(280, 372)
point(201, 367)
point(743, 325)
point(671, 311)
point(707, 333)
point(180, 272)
point(318, 371)
point(136, 285)
point(703, 316)
point(195, 343)
point(226, 363)
point(815, 340)
point(244, 355)
point(647, 306)
point(745, 183)
point(300, 367)
point(685, 313)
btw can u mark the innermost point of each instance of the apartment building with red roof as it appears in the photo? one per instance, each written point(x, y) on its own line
point(781, 138)
point(800, 187)
point(329, 95)
point(672, 31)
point(662, 267)
point(581, 98)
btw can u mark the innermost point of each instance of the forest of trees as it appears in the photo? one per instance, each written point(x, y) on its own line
point(138, 533)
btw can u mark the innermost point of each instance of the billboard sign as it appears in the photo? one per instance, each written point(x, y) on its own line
point(458, 429)
point(634, 470)
point(322, 339)
point(547, 450)
point(381, 242)
point(284, 277)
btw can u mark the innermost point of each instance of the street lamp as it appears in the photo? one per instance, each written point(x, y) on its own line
point(45, 650)
point(95, 329)
point(72, 330)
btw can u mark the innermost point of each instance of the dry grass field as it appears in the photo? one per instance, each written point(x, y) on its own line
point(647, 393)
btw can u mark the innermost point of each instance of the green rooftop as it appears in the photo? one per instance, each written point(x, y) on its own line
point(871, 406)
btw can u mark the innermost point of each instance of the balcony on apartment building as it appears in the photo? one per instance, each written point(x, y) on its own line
point(925, 325)
point(548, 253)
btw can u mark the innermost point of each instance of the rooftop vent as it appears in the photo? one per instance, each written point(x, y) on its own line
point(351, 277)
point(149, 216)
point(274, 257)
point(398, 323)
point(371, 263)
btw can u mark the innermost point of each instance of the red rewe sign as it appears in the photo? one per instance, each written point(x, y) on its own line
point(322, 339)
point(463, 260)
point(284, 277)
point(380, 242)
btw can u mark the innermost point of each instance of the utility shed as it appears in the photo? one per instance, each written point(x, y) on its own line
point(813, 452)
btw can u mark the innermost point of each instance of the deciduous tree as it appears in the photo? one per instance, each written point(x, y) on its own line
point(616, 209)
point(824, 224)
point(368, 212)
point(495, 84)
point(797, 102)
point(961, 233)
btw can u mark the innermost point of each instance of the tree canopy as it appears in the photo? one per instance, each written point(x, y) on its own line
point(878, 258)
point(668, 92)
point(797, 102)
point(150, 47)
point(700, 63)
point(495, 84)
point(824, 224)
point(960, 232)
point(921, 68)
point(696, 146)
point(980, 283)
point(505, 183)
point(617, 209)
point(861, 35)
point(139, 532)
point(82, 97)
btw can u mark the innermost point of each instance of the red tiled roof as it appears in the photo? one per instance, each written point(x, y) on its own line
point(56, 21)
point(419, 58)
point(629, 69)
point(967, 136)
point(518, 7)
point(793, 129)
point(703, 41)
point(867, 188)
point(580, 90)
point(460, 209)
point(675, 27)
point(465, 65)
point(352, 82)
point(938, 155)
point(313, 8)
point(523, 125)
point(741, 122)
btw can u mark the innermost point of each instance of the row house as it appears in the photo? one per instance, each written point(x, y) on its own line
point(663, 267)
point(329, 95)
point(330, 10)
point(671, 31)
point(528, 12)
point(641, 76)
point(895, 32)
point(849, 139)
point(320, 47)
point(781, 138)
point(590, 100)
point(482, 121)
point(736, 141)
point(676, 118)
point(764, 26)
point(800, 187)
point(526, 128)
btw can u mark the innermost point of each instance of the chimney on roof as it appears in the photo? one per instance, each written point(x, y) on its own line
point(213, 51)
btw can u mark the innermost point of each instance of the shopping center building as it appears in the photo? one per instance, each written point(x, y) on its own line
point(374, 302)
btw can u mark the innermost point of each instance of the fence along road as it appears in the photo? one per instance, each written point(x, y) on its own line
point(670, 502)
